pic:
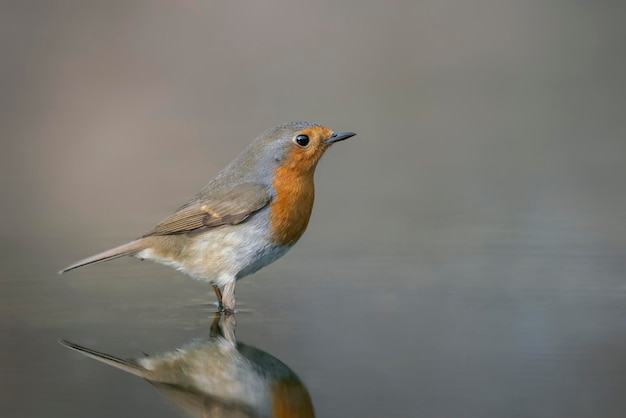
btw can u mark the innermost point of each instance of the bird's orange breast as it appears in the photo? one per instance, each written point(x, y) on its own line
point(292, 205)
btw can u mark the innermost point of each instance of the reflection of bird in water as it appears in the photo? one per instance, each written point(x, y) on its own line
point(219, 377)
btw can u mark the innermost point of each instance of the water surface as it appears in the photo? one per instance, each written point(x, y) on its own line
point(466, 253)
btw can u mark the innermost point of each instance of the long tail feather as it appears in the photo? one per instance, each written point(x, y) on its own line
point(126, 365)
point(126, 249)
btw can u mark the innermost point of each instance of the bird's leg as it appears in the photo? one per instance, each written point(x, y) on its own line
point(218, 293)
point(228, 297)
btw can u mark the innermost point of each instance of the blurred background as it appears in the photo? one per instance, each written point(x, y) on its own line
point(466, 254)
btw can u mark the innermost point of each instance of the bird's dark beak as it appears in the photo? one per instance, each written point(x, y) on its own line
point(339, 136)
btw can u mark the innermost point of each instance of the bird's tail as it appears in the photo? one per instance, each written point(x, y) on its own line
point(127, 365)
point(126, 249)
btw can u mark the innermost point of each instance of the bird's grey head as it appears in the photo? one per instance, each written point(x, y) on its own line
point(294, 145)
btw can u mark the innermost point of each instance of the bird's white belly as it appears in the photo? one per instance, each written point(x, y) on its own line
point(223, 255)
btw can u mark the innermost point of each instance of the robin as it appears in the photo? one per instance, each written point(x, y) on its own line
point(247, 217)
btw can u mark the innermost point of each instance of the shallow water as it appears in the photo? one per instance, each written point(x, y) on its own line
point(466, 253)
point(503, 321)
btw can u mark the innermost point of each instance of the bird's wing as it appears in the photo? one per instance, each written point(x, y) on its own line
point(229, 208)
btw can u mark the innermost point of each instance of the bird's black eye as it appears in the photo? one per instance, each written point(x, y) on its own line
point(302, 140)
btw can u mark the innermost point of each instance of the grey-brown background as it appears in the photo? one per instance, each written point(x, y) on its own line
point(465, 257)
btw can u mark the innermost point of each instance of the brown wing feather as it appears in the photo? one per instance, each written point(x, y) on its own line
point(229, 208)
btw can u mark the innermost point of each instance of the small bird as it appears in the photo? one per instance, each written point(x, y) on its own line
point(245, 218)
